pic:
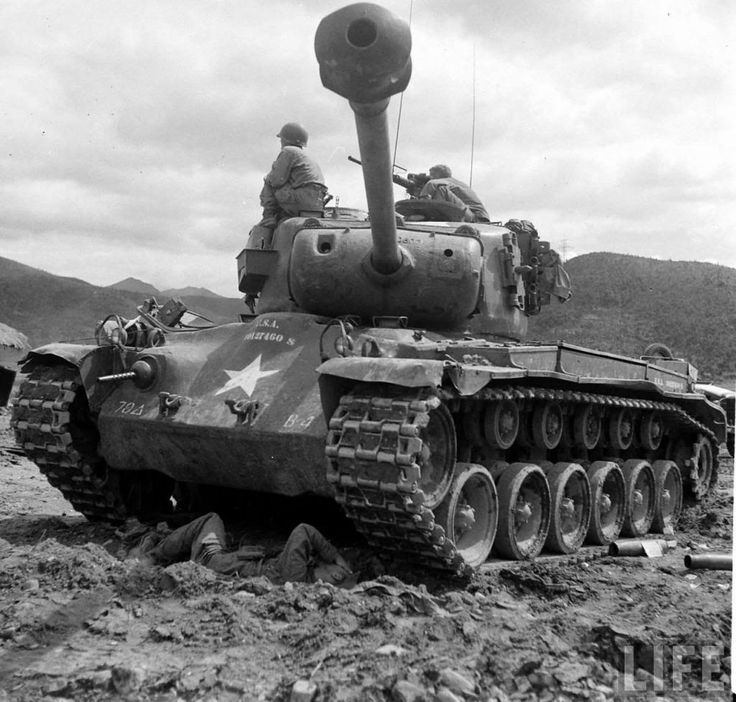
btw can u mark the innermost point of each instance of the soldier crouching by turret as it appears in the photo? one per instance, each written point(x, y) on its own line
point(294, 185)
point(442, 186)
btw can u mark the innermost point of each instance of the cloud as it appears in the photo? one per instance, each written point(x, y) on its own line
point(135, 136)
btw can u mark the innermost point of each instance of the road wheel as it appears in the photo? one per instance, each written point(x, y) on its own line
point(523, 511)
point(668, 502)
point(608, 498)
point(640, 497)
point(587, 426)
point(501, 424)
point(547, 422)
point(621, 428)
point(469, 513)
point(651, 430)
point(570, 507)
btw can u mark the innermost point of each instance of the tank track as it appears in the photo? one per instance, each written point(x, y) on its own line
point(42, 420)
point(373, 444)
point(374, 448)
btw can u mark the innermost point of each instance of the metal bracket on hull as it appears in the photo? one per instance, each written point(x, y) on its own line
point(168, 403)
point(246, 411)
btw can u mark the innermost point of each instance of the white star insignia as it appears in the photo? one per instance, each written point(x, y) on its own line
point(246, 378)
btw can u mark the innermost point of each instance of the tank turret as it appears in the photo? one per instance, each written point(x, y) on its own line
point(444, 275)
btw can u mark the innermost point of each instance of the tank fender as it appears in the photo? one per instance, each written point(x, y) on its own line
point(73, 354)
point(412, 372)
point(409, 372)
point(338, 375)
point(91, 360)
point(468, 379)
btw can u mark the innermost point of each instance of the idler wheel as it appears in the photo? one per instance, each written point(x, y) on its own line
point(547, 425)
point(501, 423)
point(701, 467)
point(640, 497)
point(570, 507)
point(651, 430)
point(668, 502)
point(469, 513)
point(523, 511)
point(608, 498)
point(437, 457)
point(586, 426)
point(621, 428)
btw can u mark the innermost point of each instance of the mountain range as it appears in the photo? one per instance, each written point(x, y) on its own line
point(48, 307)
point(620, 304)
point(139, 286)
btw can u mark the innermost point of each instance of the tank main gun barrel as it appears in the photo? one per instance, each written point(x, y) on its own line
point(364, 55)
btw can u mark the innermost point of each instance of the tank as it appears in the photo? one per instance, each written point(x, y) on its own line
point(384, 367)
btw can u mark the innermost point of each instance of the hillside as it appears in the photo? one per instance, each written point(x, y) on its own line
point(188, 292)
point(623, 303)
point(138, 286)
point(134, 285)
point(620, 304)
point(48, 307)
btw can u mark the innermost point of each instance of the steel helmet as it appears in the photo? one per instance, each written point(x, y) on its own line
point(293, 133)
point(440, 171)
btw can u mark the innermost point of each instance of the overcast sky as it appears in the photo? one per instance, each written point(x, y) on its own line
point(135, 135)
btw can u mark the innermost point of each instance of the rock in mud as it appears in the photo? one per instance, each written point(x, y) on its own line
point(259, 585)
point(303, 691)
point(406, 691)
point(456, 682)
point(187, 579)
point(126, 680)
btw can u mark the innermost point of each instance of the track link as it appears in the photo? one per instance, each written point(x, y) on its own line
point(374, 451)
point(42, 419)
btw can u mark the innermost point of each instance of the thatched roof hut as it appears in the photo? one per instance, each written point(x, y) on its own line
point(13, 345)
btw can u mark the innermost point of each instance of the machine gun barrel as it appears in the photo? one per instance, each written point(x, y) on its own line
point(399, 180)
point(364, 56)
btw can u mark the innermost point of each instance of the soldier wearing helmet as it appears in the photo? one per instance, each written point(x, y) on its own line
point(442, 186)
point(293, 186)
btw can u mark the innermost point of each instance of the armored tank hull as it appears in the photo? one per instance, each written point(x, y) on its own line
point(414, 432)
point(385, 367)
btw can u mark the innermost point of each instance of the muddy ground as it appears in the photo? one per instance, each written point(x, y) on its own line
point(80, 622)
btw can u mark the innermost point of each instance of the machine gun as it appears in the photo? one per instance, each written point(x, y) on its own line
point(413, 183)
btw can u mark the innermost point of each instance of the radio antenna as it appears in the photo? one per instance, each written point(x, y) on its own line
point(472, 135)
point(401, 102)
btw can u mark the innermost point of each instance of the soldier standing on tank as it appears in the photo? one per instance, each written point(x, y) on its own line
point(307, 556)
point(442, 186)
point(294, 184)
